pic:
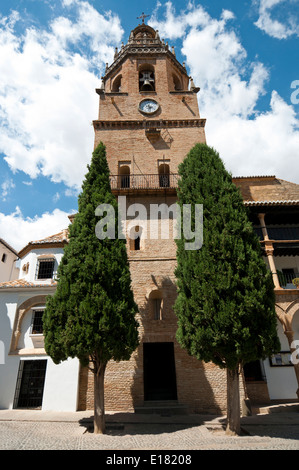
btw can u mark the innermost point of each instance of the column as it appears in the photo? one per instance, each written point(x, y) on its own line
point(269, 251)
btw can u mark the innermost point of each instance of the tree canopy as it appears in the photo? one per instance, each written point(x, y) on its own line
point(93, 309)
point(225, 304)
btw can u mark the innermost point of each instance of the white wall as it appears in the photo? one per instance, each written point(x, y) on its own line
point(8, 268)
point(32, 259)
point(61, 386)
point(61, 382)
point(282, 383)
point(287, 262)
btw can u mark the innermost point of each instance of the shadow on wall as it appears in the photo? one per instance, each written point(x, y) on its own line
point(8, 364)
point(163, 370)
point(159, 369)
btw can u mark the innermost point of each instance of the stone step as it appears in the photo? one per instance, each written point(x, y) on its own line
point(275, 408)
point(162, 407)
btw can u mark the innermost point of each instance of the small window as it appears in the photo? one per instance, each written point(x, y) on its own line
point(37, 322)
point(4, 257)
point(135, 238)
point(155, 302)
point(45, 268)
point(137, 243)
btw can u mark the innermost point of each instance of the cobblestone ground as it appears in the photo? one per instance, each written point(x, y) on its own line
point(21, 435)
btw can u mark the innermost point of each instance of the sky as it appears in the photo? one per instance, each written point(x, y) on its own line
point(244, 56)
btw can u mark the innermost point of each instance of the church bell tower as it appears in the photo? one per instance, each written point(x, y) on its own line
point(149, 120)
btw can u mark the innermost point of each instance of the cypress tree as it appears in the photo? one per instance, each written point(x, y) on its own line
point(225, 304)
point(92, 313)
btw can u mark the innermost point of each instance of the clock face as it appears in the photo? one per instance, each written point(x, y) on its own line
point(148, 106)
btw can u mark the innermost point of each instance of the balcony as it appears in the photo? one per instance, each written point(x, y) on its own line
point(286, 279)
point(125, 183)
point(285, 240)
point(280, 233)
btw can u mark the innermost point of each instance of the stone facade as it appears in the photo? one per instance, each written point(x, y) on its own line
point(142, 147)
point(143, 142)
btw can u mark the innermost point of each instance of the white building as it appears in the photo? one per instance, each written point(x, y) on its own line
point(8, 260)
point(28, 377)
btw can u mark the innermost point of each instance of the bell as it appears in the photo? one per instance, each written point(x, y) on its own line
point(147, 86)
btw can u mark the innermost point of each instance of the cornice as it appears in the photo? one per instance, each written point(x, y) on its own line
point(144, 124)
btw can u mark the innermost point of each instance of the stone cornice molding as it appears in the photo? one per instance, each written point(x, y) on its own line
point(153, 124)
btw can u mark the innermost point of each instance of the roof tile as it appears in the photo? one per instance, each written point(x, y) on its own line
point(23, 283)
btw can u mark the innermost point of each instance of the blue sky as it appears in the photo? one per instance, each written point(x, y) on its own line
point(243, 55)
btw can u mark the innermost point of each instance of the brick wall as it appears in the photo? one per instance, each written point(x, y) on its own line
point(121, 127)
point(200, 386)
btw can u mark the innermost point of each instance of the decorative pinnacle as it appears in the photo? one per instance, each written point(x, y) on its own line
point(142, 17)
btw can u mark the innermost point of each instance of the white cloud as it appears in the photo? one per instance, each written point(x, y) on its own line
point(48, 77)
point(265, 145)
point(72, 192)
point(287, 24)
point(56, 197)
point(6, 187)
point(174, 26)
point(18, 230)
point(47, 91)
point(250, 142)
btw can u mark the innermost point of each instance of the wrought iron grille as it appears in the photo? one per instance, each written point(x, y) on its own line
point(37, 322)
point(148, 181)
point(45, 269)
point(30, 384)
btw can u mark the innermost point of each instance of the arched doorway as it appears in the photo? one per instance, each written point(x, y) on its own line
point(124, 174)
point(164, 178)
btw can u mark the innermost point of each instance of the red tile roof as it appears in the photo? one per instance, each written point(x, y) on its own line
point(59, 239)
point(23, 283)
point(267, 190)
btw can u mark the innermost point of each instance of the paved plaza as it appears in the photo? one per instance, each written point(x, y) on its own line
point(37, 430)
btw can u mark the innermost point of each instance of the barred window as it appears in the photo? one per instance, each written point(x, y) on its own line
point(135, 238)
point(37, 322)
point(45, 268)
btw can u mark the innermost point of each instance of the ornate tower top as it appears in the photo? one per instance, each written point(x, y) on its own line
point(142, 16)
point(143, 41)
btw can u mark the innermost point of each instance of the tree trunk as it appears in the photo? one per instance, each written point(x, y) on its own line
point(233, 427)
point(99, 404)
